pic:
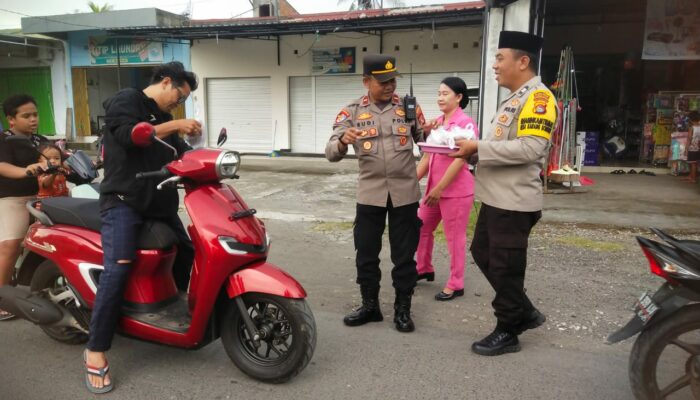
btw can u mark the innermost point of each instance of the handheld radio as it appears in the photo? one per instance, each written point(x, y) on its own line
point(409, 101)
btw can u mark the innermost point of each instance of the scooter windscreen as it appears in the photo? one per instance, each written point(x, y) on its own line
point(82, 165)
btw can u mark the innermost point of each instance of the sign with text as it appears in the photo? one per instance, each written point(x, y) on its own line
point(333, 61)
point(672, 30)
point(105, 50)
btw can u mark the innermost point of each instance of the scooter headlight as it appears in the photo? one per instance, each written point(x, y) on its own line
point(227, 164)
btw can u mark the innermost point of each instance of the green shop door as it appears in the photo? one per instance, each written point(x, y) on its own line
point(35, 82)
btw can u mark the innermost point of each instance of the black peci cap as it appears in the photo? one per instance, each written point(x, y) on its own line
point(381, 67)
point(520, 41)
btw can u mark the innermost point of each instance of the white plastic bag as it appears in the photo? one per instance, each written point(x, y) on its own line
point(443, 137)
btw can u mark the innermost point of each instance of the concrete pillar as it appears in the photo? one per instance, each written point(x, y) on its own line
point(514, 16)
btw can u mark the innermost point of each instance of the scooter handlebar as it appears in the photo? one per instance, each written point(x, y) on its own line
point(162, 173)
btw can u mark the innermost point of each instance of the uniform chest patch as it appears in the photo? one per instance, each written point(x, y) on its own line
point(364, 116)
point(372, 132)
point(400, 112)
point(367, 145)
point(403, 140)
point(498, 132)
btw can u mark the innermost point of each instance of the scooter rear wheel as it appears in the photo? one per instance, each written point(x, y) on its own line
point(681, 331)
point(50, 283)
point(289, 337)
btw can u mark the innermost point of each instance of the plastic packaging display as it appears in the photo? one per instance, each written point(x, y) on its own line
point(443, 137)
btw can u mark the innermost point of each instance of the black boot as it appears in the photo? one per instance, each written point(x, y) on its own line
point(497, 343)
point(402, 312)
point(533, 320)
point(369, 311)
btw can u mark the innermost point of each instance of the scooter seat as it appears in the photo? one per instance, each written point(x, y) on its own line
point(85, 213)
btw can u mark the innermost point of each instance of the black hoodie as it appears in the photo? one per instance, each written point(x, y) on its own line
point(123, 160)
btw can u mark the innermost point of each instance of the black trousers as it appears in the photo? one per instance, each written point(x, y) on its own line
point(499, 249)
point(404, 229)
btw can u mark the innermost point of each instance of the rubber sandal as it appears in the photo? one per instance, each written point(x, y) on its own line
point(101, 372)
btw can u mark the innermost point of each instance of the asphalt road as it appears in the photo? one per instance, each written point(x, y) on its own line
point(583, 277)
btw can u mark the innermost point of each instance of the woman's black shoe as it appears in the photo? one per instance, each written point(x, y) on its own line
point(442, 296)
point(428, 276)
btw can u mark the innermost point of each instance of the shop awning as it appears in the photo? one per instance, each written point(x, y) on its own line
point(444, 15)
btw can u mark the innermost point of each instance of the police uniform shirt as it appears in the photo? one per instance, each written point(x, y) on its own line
point(511, 155)
point(384, 149)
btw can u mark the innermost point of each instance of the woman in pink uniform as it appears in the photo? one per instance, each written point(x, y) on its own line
point(449, 193)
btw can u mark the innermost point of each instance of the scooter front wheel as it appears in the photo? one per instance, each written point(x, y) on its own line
point(287, 339)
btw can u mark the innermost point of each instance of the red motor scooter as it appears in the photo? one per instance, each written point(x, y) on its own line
point(258, 310)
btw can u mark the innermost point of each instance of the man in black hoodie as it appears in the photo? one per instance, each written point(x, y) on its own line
point(126, 202)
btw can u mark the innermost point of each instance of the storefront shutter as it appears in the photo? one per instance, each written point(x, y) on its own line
point(243, 107)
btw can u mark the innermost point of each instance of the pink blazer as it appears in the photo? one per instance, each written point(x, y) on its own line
point(463, 184)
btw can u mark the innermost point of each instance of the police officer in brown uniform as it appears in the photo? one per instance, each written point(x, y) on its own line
point(511, 157)
point(376, 126)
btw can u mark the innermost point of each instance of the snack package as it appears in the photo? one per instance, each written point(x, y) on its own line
point(443, 137)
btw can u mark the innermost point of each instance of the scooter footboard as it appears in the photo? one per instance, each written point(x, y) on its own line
point(264, 278)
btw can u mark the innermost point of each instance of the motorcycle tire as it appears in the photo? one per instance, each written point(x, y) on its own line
point(288, 360)
point(48, 277)
point(650, 345)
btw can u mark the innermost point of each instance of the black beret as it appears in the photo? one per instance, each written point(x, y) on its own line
point(520, 41)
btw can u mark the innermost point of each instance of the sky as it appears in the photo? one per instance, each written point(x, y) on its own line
point(11, 11)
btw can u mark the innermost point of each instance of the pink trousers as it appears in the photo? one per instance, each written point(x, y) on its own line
point(454, 213)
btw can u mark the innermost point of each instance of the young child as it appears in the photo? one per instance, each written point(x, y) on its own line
point(52, 184)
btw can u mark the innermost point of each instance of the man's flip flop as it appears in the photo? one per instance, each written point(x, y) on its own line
point(101, 372)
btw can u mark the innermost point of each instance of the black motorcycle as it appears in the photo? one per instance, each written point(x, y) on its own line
point(665, 358)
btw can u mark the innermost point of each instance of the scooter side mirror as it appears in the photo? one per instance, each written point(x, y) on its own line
point(143, 134)
point(223, 136)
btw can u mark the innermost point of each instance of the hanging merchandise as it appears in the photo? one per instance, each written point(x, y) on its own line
point(564, 156)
